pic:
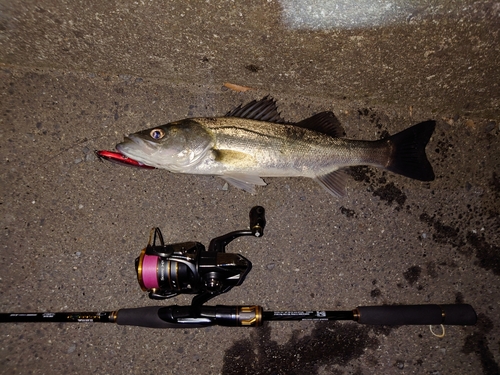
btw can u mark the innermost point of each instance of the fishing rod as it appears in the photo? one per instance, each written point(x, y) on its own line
point(167, 270)
point(253, 316)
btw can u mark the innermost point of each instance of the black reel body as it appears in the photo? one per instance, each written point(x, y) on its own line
point(166, 271)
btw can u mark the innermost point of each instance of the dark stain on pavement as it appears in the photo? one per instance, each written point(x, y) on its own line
point(412, 274)
point(361, 173)
point(466, 242)
point(443, 234)
point(488, 255)
point(477, 343)
point(390, 193)
point(495, 184)
point(378, 186)
point(348, 212)
point(328, 345)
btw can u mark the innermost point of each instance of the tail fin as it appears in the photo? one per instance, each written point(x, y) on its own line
point(408, 155)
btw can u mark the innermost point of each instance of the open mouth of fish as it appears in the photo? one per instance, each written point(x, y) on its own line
point(119, 158)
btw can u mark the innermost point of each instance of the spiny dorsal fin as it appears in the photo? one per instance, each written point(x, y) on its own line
point(264, 109)
point(323, 122)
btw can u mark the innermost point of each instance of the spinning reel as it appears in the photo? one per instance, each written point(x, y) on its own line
point(166, 271)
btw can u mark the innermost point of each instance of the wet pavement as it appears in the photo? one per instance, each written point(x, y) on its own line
point(76, 78)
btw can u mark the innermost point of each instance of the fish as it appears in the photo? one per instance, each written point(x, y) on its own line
point(253, 141)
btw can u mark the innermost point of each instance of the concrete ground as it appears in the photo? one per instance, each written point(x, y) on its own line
point(76, 77)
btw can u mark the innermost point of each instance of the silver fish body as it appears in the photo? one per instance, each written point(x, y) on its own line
point(244, 146)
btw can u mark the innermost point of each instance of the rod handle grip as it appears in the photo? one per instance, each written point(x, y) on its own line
point(149, 317)
point(395, 315)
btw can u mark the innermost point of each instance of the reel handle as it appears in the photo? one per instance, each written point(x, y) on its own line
point(257, 221)
point(394, 315)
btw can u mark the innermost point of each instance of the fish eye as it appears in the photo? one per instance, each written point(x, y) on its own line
point(157, 133)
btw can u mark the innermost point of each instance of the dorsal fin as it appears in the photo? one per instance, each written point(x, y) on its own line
point(323, 122)
point(264, 109)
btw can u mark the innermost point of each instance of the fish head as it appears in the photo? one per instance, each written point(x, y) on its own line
point(175, 146)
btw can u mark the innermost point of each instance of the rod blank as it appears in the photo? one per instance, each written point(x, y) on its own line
point(60, 317)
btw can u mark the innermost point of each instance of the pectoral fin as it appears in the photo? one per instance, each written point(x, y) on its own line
point(333, 182)
point(244, 181)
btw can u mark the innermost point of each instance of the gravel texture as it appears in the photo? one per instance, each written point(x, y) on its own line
point(75, 78)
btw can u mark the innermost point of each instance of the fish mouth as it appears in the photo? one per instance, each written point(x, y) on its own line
point(133, 139)
point(133, 143)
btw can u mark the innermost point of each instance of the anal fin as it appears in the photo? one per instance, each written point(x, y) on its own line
point(333, 182)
